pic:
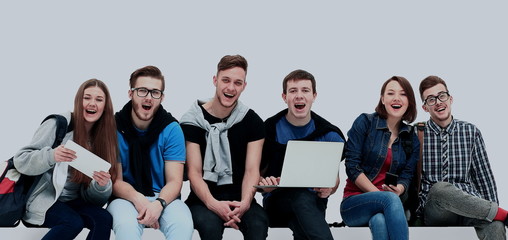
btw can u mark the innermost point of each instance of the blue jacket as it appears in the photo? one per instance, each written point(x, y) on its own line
point(367, 146)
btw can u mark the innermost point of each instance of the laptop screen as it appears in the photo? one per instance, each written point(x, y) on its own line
point(311, 164)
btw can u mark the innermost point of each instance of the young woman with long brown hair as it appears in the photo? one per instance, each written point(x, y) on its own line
point(66, 200)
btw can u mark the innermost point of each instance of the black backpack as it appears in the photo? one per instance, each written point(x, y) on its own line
point(411, 202)
point(15, 188)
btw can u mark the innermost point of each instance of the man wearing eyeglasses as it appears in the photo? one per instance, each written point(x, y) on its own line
point(152, 157)
point(457, 185)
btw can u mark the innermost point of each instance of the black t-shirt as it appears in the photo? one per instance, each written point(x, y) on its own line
point(250, 129)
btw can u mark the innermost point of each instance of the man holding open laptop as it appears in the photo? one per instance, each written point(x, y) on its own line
point(302, 209)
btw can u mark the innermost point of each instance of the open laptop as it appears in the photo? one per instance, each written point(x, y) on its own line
point(310, 164)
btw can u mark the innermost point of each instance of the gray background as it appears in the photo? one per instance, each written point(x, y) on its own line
point(48, 48)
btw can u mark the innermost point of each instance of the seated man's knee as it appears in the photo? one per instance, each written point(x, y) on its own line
point(212, 229)
point(184, 223)
point(205, 221)
point(176, 219)
point(127, 225)
point(300, 196)
point(257, 223)
point(256, 217)
point(254, 227)
point(440, 189)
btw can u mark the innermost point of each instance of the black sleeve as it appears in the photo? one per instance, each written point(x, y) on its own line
point(193, 134)
point(256, 127)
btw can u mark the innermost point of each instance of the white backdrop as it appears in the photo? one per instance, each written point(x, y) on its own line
point(48, 48)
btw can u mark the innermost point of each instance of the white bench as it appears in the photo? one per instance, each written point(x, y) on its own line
point(359, 233)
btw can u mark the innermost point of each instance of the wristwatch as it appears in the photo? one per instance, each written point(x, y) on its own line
point(163, 202)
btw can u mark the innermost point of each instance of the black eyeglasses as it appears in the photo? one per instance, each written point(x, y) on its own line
point(432, 100)
point(143, 92)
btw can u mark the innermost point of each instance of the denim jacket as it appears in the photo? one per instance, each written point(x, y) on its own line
point(367, 146)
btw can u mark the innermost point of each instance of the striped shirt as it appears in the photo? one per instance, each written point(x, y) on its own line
point(456, 154)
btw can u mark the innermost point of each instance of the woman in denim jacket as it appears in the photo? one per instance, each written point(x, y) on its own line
point(374, 147)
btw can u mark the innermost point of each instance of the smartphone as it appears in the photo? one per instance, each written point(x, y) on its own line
point(391, 179)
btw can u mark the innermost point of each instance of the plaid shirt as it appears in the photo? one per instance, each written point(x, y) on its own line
point(456, 154)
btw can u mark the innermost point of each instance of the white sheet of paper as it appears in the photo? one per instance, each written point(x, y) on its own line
point(86, 162)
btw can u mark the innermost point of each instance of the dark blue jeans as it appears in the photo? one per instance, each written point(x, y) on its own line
point(299, 209)
point(210, 226)
point(67, 219)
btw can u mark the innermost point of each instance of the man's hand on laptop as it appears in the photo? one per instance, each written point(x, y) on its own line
point(269, 181)
point(323, 192)
point(326, 192)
